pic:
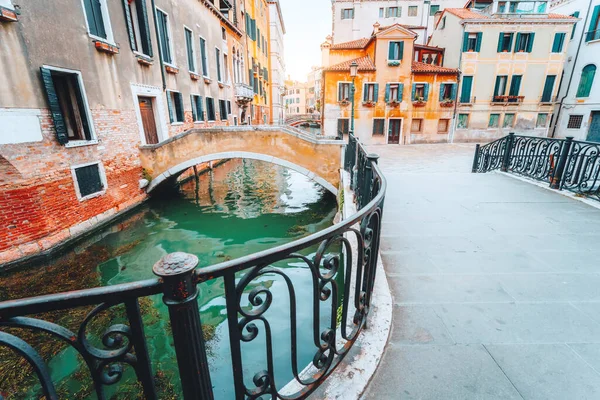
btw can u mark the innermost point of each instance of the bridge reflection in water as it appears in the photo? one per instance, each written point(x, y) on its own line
point(253, 293)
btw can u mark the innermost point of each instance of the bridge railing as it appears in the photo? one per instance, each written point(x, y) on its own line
point(343, 275)
point(562, 163)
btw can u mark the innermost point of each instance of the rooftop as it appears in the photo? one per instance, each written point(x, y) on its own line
point(419, 67)
point(364, 64)
point(354, 44)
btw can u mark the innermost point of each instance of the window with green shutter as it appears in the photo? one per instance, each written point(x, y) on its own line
point(524, 42)
point(189, 43)
point(433, 9)
point(210, 109)
point(593, 32)
point(447, 92)
point(463, 121)
point(559, 40)
point(204, 58)
point(163, 34)
point(465, 93)
point(393, 92)
point(197, 108)
point(175, 106)
point(576, 15)
point(218, 60)
point(548, 88)
point(395, 51)
point(500, 86)
point(515, 86)
point(223, 110)
point(136, 19)
point(587, 79)
point(370, 92)
point(494, 121)
point(95, 17)
point(505, 40)
point(472, 41)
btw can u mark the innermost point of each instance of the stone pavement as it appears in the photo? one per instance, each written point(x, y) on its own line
point(496, 283)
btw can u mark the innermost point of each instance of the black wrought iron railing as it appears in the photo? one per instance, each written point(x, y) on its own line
point(343, 275)
point(562, 163)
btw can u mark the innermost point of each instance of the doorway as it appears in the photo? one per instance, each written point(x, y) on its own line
point(594, 130)
point(148, 119)
point(394, 131)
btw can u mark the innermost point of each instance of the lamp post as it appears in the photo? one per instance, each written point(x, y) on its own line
point(353, 73)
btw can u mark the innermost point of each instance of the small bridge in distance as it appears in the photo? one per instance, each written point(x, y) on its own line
point(301, 119)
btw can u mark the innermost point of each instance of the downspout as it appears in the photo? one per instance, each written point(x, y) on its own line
point(458, 83)
point(560, 106)
point(160, 55)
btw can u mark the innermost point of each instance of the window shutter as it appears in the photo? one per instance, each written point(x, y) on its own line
point(391, 51)
point(376, 92)
point(97, 7)
point(200, 109)
point(414, 91)
point(510, 42)
point(517, 42)
point(442, 91)
point(228, 106)
point(387, 93)
point(400, 91)
point(146, 28)
point(466, 41)
point(465, 96)
point(401, 54)
point(592, 32)
point(478, 45)
point(57, 116)
point(129, 24)
point(515, 85)
point(194, 113)
point(548, 88)
point(340, 92)
point(180, 112)
point(576, 15)
point(497, 86)
point(555, 43)
point(500, 40)
point(453, 91)
point(530, 42)
point(426, 92)
point(170, 105)
point(365, 92)
point(587, 78)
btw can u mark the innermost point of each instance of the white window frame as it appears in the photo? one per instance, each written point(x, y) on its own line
point(173, 62)
point(195, 70)
point(160, 118)
point(198, 121)
point(374, 100)
point(349, 90)
point(171, 93)
point(102, 174)
point(214, 109)
point(205, 74)
point(110, 39)
point(135, 24)
point(398, 99)
point(86, 105)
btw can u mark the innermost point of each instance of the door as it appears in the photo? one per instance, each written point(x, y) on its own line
point(394, 131)
point(148, 121)
point(594, 132)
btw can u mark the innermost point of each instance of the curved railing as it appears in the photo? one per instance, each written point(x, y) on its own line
point(348, 250)
point(563, 163)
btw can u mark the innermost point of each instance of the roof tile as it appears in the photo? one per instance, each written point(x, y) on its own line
point(420, 67)
point(364, 64)
point(354, 44)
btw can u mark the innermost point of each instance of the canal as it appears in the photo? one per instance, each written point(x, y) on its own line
point(237, 208)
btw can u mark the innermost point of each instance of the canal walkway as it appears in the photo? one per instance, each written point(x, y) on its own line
point(496, 283)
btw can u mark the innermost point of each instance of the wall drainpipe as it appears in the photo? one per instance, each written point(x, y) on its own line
point(160, 56)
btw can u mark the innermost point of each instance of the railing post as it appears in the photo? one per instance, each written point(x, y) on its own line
point(562, 163)
point(372, 159)
point(181, 296)
point(476, 158)
point(507, 152)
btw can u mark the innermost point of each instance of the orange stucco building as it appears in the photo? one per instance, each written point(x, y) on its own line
point(403, 93)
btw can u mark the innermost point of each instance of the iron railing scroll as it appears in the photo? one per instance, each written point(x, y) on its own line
point(563, 163)
point(343, 275)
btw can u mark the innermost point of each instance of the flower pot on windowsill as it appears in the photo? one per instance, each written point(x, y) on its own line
point(446, 103)
point(393, 63)
point(368, 103)
point(393, 103)
point(344, 103)
point(419, 102)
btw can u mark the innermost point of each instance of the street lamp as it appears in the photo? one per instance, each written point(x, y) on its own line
point(353, 73)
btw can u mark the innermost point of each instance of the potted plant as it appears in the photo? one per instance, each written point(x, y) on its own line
point(447, 103)
point(419, 101)
point(344, 102)
point(369, 103)
point(393, 63)
point(393, 103)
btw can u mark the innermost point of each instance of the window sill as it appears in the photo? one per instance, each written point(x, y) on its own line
point(207, 80)
point(194, 76)
point(80, 143)
point(171, 69)
point(105, 47)
point(144, 59)
point(593, 41)
point(176, 123)
point(93, 195)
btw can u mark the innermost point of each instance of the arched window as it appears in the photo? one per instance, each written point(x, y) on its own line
point(587, 78)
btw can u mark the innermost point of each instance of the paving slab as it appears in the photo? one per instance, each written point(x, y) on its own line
point(495, 283)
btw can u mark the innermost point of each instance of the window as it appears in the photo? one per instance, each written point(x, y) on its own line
point(226, 68)
point(472, 41)
point(515, 86)
point(89, 180)
point(136, 18)
point(164, 37)
point(68, 104)
point(524, 42)
point(587, 78)
point(197, 108)
point(413, 11)
point(395, 51)
point(223, 110)
point(500, 87)
point(218, 59)
point(210, 109)
point(378, 126)
point(463, 121)
point(175, 105)
point(348, 13)
point(223, 34)
point(559, 40)
point(343, 91)
point(96, 13)
point(505, 42)
point(594, 29)
point(189, 42)
point(575, 121)
point(228, 107)
point(259, 37)
point(297, 91)
point(393, 92)
point(343, 126)
point(416, 125)
point(433, 9)
point(576, 15)
point(394, 12)
point(420, 92)
point(447, 91)
point(443, 24)
point(465, 94)
point(381, 10)
point(494, 119)
point(548, 88)
point(203, 58)
point(443, 125)
point(542, 119)
point(370, 92)
point(509, 121)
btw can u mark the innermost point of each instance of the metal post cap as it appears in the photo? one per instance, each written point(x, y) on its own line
point(175, 264)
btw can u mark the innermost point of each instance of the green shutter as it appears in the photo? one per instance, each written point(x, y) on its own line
point(548, 88)
point(391, 50)
point(376, 93)
point(147, 44)
point(576, 15)
point(510, 42)
point(453, 91)
point(400, 91)
point(180, 112)
point(401, 51)
point(194, 113)
point(57, 116)
point(515, 85)
point(517, 41)
point(497, 87)
point(190, 53)
point(170, 105)
point(465, 41)
point(414, 91)
point(426, 92)
point(442, 91)
point(587, 78)
point(593, 32)
point(478, 45)
point(387, 93)
point(465, 95)
point(93, 13)
point(556, 43)
point(129, 24)
point(500, 40)
point(530, 42)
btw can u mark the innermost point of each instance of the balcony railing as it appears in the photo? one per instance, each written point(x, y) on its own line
point(342, 272)
point(244, 91)
point(503, 100)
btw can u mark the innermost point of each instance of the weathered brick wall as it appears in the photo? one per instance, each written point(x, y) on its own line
point(38, 202)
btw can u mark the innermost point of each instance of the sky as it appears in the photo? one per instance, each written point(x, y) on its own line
point(307, 24)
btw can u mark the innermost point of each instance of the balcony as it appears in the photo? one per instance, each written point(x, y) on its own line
point(505, 100)
point(243, 93)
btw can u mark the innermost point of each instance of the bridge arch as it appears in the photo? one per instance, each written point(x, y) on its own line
point(180, 168)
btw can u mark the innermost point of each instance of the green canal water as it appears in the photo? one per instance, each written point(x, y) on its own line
point(239, 208)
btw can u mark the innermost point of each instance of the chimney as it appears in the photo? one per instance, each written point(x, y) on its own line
point(325, 47)
point(376, 26)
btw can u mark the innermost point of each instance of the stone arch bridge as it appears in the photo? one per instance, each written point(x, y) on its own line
point(320, 160)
